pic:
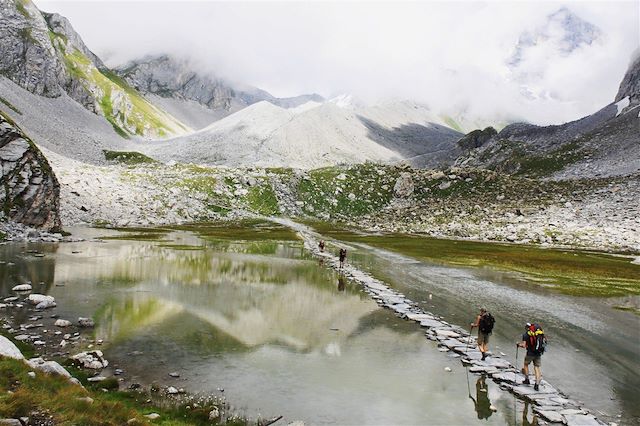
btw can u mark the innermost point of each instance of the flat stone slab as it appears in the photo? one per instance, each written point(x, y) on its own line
point(447, 333)
point(420, 317)
point(550, 416)
point(429, 323)
point(582, 420)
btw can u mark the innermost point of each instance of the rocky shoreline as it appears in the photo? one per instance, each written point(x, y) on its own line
point(549, 403)
point(30, 318)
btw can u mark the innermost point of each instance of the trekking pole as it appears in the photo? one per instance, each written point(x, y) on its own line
point(469, 341)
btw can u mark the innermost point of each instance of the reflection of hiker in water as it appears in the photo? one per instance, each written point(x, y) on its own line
point(341, 282)
point(321, 246)
point(343, 256)
point(525, 421)
point(482, 403)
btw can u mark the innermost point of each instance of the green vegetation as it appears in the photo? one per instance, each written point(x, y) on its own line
point(67, 403)
point(8, 104)
point(246, 230)
point(347, 192)
point(573, 272)
point(127, 157)
point(143, 116)
point(21, 6)
point(555, 161)
point(263, 200)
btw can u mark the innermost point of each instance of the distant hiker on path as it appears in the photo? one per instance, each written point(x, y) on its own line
point(484, 322)
point(321, 246)
point(535, 341)
point(343, 256)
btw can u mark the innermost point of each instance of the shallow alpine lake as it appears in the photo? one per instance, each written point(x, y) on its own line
point(244, 308)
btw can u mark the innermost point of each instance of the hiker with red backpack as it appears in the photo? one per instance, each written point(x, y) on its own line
point(534, 341)
point(484, 322)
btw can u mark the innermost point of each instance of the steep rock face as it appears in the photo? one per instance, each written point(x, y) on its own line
point(30, 193)
point(167, 77)
point(26, 54)
point(42, 53)
point(630, 85)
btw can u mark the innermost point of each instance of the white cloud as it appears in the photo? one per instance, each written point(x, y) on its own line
point(445, 54)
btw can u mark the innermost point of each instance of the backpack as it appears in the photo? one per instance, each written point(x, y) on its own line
point(536, 340)
point(486, 323)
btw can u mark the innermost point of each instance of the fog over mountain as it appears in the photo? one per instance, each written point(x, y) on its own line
point(524, 60)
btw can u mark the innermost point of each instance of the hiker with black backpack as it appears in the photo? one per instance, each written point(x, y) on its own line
point(485, 323)
point(535, 341)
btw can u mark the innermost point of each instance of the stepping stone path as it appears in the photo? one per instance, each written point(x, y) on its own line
point(549, 403)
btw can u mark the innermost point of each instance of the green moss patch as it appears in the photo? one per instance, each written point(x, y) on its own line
point(127, 157)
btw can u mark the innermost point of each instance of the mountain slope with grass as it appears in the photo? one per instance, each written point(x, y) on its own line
point(42, 53)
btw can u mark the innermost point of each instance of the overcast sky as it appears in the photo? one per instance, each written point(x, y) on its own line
point(450, 55)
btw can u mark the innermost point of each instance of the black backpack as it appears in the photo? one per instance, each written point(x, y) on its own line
point(536, 340)
point(486, 323)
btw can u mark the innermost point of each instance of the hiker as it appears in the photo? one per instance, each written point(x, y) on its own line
point(535, 341)
point(343, 256)
point(321, 246)
point(484, 322)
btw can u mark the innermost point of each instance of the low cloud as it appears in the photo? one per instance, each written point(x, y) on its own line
point(453, 56)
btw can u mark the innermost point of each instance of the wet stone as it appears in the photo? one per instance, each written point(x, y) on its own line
point(581, 420)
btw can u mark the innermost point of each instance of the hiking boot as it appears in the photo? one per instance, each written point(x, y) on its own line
point(526, 381)
point(536, 387)
point(484, 355)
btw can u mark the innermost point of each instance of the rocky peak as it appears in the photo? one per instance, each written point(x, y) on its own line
point(30, 191)
point(174, 78)
point(27, 55)
point(630, 85)
point(61, 26)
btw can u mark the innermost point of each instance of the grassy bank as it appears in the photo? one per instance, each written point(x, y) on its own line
point(573, 272)
point(51, 397)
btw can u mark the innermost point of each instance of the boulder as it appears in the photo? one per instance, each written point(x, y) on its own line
point(92, 360)
point(62, 323)
point(41, 301)
point(31, 192)
point(404, 185)
point(49, 367)
point(8, 349)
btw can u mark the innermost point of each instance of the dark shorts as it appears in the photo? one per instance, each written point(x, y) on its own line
point(536, 359)
point(483, 337)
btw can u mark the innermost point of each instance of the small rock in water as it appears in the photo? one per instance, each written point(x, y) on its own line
point(174, 374)
point(21, 287)
point(85, 322)
point(493, 408)
point(96, 379)
point(171, 390)
point(448, 369)
point(62, 323)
